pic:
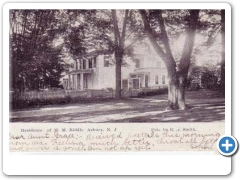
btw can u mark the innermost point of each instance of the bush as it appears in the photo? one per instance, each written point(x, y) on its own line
point(209, 80)
point(22, 103)
point(194, 86)
point(152, 92)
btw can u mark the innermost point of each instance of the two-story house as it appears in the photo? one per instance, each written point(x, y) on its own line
point(97, 71)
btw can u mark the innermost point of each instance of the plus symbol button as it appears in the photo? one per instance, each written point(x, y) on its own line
point(227, 145)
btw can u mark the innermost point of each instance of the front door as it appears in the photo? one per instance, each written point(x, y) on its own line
point(125, 84)
point(135, 83)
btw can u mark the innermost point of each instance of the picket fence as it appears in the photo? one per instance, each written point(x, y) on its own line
point(31, 95)
point(50, 94)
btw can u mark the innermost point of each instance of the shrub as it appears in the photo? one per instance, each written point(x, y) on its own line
point(152, 92)
point(23, 103)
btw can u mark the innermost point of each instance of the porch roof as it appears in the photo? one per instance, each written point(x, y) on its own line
point(96, 53)
point(140, 73)
point(81, 71)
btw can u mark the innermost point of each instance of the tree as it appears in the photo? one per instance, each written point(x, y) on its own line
point(114, 30)
point(34, 60)
point(155, 28)
point(124, 29)
point(119, 39)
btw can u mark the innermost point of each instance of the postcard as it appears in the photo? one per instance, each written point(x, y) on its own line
point(120, 86)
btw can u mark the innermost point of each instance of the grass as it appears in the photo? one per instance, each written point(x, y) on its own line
point(207, 106)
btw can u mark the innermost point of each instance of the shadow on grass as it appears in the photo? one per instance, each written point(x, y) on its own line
point(138, 112)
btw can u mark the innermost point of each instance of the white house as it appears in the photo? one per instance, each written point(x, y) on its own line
point(97, 71)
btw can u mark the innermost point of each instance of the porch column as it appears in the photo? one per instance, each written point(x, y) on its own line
point(78, 83)
point(73, 83)
point(81, 81)
point(69, 81)
point(76, 86)
point(79, 63)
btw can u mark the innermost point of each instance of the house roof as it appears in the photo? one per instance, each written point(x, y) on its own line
point(80, 71)
point(98, 52)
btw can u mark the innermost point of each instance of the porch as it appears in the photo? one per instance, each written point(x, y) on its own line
point(79, 80)
point(137, 80)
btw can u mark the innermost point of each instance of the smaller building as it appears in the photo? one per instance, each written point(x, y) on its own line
point(150, 72)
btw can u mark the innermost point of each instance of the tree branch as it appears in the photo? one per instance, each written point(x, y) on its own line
point(124, 28)
point(130, 44)
point(165, 39)
point(151, 37)
point(132, 31)
point(189, 42)
point(116, 29)
point(106, 13)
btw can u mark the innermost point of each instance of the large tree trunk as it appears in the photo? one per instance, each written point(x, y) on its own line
point(176, 91)
point(118, 81)
point(118, 72)
point(119, 50)
point(177, 78)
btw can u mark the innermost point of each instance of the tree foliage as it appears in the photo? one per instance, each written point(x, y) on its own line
point(112, 30)
point(34, 60)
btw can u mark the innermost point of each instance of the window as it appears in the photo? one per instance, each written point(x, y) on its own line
point(90, 63)
point(84, 64)
point(156, 79)
point(137, 63)
point(95, 62)
point(80, 64)
point(125, 84)
point(76, 64)
point(163, 80)
point(106, 61)
point(65, 83)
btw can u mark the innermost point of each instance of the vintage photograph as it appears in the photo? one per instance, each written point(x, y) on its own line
point(117, 66)
point(108, 88)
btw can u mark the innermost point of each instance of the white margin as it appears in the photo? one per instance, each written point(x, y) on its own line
point(111, 164)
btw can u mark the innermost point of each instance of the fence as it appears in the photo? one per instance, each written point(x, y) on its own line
point(32, 95)
point(39, 98)
point(103, 93)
